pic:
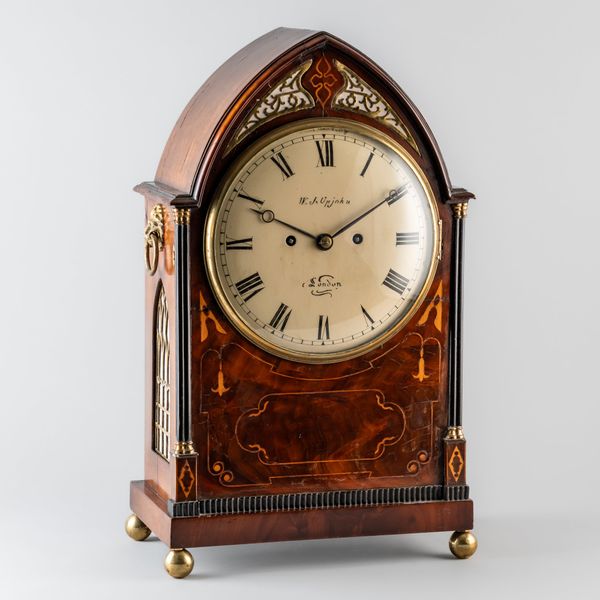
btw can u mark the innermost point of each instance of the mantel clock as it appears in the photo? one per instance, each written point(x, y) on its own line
point(303, 248)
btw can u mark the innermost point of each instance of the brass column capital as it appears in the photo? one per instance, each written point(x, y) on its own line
point(454, 432)
point(182, 216)
point(460, 210)
point(184, 449)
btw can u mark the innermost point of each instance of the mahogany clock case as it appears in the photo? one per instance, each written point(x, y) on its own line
point(250, 447)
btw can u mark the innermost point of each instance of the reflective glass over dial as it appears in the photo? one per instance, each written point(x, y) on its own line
point(322, 240)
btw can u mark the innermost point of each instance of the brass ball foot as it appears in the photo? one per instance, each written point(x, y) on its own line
point(136, 529)
point(179, 563)
point(463, 544)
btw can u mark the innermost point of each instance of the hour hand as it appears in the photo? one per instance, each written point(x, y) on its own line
point(268, 216)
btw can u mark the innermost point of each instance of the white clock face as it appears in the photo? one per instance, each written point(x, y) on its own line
point(322, 241)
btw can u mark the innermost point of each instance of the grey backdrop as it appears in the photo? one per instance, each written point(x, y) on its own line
point(89, 92)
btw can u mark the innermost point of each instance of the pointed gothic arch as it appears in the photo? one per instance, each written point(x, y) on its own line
point(161, 396)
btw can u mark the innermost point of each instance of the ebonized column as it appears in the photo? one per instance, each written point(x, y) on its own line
point(182, 296)
point(459, 205)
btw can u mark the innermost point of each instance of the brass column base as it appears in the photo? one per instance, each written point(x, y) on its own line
point(463, 544)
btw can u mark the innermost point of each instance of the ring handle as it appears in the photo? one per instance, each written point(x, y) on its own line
point(152, 249)
point(154, 238)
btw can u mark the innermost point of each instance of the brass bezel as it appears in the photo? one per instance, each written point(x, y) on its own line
point(209, 236)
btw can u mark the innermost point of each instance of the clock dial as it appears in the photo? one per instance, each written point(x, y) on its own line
point(322, 240)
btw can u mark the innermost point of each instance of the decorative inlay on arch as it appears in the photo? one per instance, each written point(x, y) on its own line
point(162, 383)
point(357, 96)
point(288, 95)
point(322, 80)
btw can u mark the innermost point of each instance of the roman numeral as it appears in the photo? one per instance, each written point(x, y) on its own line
point(397, 194)
point(368, 318)
point(282, 164)
point(325, 148)
point(250, 286)
point(243, 244)
point(403, 239)
point(246, 197)
point(323, 328)
point(362, 173)
point(281, 316)
point(395, 281)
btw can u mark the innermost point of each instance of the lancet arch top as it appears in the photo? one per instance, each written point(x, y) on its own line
point(285, 74)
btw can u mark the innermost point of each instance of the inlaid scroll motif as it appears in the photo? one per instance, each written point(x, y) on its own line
point(421, 375)
point(357, 96)
point(218, 470)
point(207, 315)
point(217, 382)
point(288, 95)
point(220, 388)
point(434, 306)
point(424, 367)
point(299, 427)
point(414, 465)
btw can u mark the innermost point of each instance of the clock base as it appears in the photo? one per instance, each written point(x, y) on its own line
point(180, 532)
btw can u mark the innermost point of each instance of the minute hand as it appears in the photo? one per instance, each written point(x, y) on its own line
point(391, 197)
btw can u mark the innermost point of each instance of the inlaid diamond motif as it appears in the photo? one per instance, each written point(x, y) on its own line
point(186, 479)
point(456, 463)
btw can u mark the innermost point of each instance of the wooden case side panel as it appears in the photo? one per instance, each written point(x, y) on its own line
point(156, 468)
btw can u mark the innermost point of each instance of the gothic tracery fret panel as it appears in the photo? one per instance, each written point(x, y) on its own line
point(162, 387)
point(357, 96)
point(287, 95)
